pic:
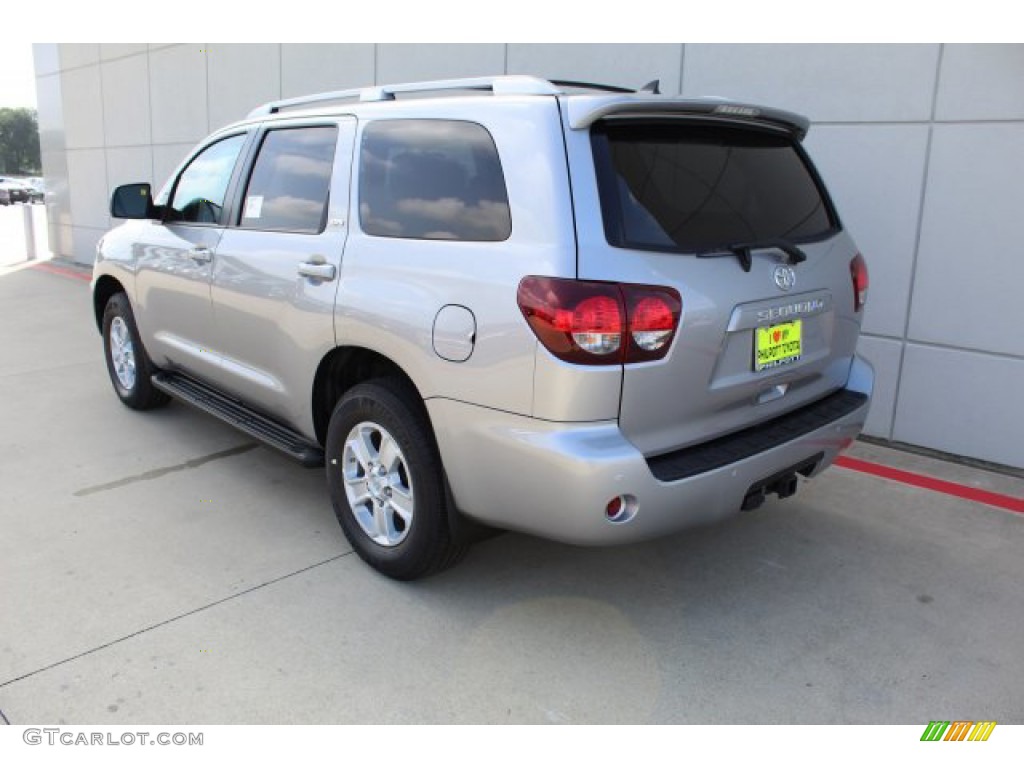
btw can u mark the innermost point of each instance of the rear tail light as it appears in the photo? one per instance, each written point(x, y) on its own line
point(653, 316)
point(594, 323)
point(859, 273)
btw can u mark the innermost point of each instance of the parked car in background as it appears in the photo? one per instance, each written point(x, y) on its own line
point(36, 193)
point(21, 191)
point(18, 193)
point(38, 183)
point(5, 195)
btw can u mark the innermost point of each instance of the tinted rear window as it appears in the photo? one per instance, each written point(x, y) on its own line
point(697, 188)
point(432, 180)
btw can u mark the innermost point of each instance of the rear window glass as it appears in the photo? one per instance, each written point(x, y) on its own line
point(698, 188)
point(432, 180)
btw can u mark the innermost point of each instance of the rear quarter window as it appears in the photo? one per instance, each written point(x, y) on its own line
point(432, 180)
point(692, 188)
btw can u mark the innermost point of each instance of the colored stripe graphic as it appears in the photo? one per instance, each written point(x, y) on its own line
point(982, 730)
point(1011, 503)
point(958, 731)
point(934, 730)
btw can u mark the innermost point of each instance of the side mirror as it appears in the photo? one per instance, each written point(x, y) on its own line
point(133, 201)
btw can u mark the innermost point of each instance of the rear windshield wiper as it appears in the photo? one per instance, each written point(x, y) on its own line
point(744, 251)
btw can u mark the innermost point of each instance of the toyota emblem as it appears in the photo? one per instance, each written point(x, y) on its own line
point(785, 277)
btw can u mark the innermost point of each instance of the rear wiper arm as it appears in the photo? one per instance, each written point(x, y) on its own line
point(744, 251)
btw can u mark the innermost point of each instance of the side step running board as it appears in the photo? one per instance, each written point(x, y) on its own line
point(241, 417)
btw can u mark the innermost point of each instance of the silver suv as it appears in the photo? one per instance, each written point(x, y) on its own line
point(584, 313)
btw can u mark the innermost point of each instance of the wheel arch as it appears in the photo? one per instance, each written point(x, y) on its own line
point(106, 286)
point(343, 368)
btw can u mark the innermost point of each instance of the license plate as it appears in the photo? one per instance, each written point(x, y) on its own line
point(777, 345)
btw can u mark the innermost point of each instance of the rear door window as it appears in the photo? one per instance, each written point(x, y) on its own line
point(290, 181)
point(691, 188)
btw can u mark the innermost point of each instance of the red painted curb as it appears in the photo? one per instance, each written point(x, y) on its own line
point(1011, 503)
point(62, 271)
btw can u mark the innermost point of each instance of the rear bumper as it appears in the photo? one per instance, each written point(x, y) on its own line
point(555, 479)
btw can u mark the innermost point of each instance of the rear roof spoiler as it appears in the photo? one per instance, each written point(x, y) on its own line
point(584, 111)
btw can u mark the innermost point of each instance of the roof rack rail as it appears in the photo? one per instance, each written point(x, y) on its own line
point(499, 85)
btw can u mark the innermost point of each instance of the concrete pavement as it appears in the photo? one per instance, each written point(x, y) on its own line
point(162, 568)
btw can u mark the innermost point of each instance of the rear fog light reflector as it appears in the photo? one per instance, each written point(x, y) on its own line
point(622, 508)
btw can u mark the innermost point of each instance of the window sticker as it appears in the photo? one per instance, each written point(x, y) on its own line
point(253, 207)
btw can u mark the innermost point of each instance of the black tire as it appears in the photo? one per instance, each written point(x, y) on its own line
point(386, 409)
point(136, 391)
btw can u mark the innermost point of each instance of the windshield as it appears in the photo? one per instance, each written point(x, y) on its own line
point(692, 188)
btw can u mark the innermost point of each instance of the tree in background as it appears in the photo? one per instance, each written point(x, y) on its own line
point(19, 141)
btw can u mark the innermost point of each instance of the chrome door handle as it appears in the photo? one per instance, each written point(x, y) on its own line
point(200, 253)
point(318, 271)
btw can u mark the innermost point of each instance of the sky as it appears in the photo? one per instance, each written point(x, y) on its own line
point(17, 76)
